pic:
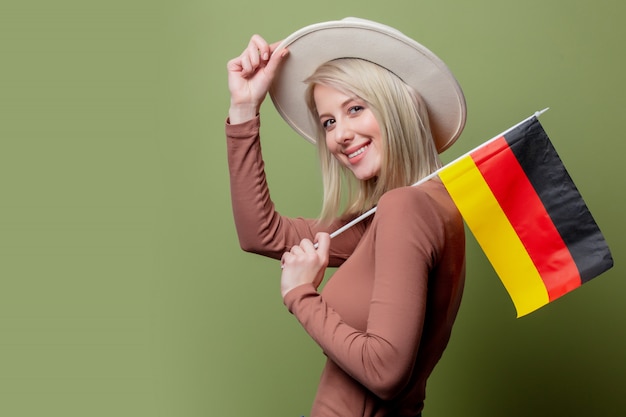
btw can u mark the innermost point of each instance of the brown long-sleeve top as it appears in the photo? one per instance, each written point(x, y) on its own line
point(385, 316)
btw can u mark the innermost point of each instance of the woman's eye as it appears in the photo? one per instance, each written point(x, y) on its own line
point(355, 109)
point(327, 123)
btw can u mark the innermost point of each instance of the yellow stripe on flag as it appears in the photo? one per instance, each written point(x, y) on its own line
point(496, 236)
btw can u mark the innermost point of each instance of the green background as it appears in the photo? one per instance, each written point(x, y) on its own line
point(123, 291)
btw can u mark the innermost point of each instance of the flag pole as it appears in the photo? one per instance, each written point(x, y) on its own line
point(435, 173)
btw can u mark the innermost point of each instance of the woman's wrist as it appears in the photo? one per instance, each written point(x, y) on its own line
point(239, 113)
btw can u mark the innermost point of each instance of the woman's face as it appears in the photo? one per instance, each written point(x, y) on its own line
point(352, 131)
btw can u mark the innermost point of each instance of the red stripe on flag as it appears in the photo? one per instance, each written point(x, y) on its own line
point(528, 217)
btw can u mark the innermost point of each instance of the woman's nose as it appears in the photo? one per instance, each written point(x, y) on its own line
point(343, 133)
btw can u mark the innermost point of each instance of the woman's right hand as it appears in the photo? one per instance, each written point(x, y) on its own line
point(250, 76)
point(304, 263)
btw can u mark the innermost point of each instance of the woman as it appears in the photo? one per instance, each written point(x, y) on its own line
point(385, 317)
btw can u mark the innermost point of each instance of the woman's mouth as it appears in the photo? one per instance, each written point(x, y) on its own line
point(358, 152)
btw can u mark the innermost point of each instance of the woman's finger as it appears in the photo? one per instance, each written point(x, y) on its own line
point(259, 47)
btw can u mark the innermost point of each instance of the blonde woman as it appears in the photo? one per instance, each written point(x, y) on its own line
point(380, 107)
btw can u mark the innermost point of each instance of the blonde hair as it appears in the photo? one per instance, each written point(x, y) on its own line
point(409, 152)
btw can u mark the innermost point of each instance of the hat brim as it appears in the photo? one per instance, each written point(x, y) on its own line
point(417, 66)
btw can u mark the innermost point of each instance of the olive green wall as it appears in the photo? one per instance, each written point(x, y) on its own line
point(123, 291)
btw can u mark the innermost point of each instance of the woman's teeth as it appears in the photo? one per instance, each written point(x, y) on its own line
point(357, 152)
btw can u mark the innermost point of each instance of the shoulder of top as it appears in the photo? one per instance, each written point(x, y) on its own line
point(403, 199)
point(421, 192)
point(424, 204)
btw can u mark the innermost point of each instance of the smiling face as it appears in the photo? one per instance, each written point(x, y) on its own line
point(351, 130)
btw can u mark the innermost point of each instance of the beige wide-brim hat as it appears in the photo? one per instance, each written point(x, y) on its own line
point(417, 66)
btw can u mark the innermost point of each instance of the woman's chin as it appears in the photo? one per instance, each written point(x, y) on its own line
point(365, 175)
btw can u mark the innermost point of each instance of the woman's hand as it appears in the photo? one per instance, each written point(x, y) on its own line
point(250, 76)
point(304, 264)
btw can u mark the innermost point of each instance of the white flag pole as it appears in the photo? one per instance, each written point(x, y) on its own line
point(434, 174)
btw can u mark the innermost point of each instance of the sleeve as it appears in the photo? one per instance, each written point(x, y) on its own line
point(406, 249)
point(260, 227)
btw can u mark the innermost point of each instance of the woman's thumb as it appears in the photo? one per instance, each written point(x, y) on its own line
point(323, 244)
point(275, 60)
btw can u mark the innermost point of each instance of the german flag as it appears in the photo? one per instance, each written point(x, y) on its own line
point(527, 215)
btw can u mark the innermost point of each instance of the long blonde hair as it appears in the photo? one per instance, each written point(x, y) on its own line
point(409, 152)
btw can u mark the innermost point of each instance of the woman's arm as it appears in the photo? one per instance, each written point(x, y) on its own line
point(260, 227)
point(409, 238)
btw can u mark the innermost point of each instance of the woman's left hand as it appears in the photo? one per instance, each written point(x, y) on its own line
point(304, 264)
